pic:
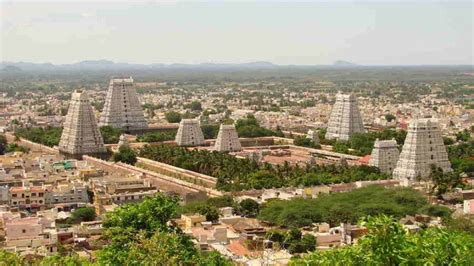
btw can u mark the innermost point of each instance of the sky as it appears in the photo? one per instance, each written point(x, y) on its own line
point(304, 33)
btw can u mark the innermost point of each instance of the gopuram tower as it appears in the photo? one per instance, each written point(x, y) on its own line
point(189, 133)
point(384, 155)
point(345, 118)
point(423, 147)
point(122, 109)
point(227, 139)
point(80, 133)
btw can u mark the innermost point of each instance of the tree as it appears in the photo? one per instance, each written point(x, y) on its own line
point(3, 144)
point(305, 142)
point(195, 106)
point(173, 117)
point(125, 155)
point(443, 182)
point(308, 242)
point(139, 234)
point(110, 134)
point(343, 207)
point(211, 212)
point(388, 243)
point(248, 208)
point(84, 214)
point(390, 117)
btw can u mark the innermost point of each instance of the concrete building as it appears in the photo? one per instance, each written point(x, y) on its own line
point(80, 133)
point(30, 233)
point(74, 192)
point(122, 108)
point(27, 198)
point(189, 133)
point(423, 147)
point(313, 135)
point(345, 118)
point(227, 139)
point(384, 155)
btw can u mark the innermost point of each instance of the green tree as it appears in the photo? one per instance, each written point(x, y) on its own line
point(110, 134)
point(388, 243)
point(195, 106)
point(125, 155)
point(139, 234)
point(173, 117)
point(211, 212)
point(390, 117)
point(248, 208)
point(86, 214)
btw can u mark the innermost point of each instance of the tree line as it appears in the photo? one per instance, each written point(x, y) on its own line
point(234, 174)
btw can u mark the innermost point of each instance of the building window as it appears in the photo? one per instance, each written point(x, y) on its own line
point(23, 231)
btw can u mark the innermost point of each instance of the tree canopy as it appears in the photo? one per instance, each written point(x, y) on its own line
point(343, 207)
point(139, 234)
point(388, 243)
point(236, 174)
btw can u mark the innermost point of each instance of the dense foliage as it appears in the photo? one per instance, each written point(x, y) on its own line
point(143, 229)
point(292, 240)
point(250, 128)
point(157, 136)
point(210, 131)
point(344, 207)
point(14, 147)
point(126, 155)
point(173, 117)
point(305, 142)
point(461, 156)
point(361, 144)
point(110, 134)
point(237, 174)
point(388, 243)
point(85, 214)
point(49, 136)
point(247, 207)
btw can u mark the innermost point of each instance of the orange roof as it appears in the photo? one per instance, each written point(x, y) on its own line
point(365, 160)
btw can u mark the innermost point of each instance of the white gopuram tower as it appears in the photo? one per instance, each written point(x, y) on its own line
point(313, 135)
point(423, 147)
point(345, 118)
point(122, 109)
point(227, 139)
point(80, 133)
point(385, 155)
point(189, 133)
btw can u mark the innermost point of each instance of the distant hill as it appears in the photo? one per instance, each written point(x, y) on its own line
point(343, 63)
point(10, 68)
point(110, 65)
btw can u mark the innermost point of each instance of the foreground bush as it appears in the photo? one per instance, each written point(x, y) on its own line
point(388, 243)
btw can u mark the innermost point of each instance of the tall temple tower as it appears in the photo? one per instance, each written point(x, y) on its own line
point(345, 118)
point(227, 139)
point(80, 133)
point(189, 133)
point(122, 108)
point(423, 147)
point(384, 155)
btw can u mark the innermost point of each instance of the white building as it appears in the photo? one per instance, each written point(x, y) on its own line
point(423, 147)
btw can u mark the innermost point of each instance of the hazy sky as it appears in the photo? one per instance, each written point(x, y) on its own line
point(372, 33)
